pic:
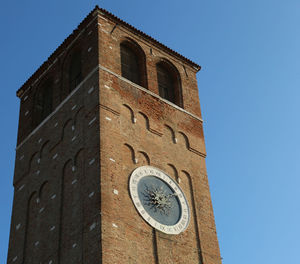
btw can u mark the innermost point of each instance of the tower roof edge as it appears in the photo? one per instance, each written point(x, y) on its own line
point(148, 37)
point(72, 36)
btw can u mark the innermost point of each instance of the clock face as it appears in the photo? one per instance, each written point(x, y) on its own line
point(159, 200)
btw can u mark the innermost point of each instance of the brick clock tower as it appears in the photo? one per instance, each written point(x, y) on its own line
point(110, 157)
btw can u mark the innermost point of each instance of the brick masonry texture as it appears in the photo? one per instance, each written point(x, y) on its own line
point(71, 200)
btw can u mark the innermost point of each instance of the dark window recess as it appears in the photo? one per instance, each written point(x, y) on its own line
point(165, 83)
point(75, 75)
point(42, 104)
point(130, 64)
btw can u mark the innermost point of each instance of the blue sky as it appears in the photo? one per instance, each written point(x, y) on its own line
point(249, 89)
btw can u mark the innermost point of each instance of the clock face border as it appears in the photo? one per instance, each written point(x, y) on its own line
point(145, 171)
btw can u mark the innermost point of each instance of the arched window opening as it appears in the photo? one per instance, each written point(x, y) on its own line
point(129, 64)
point(168, 83)
point(133, 63)
point(42, 103)
point(75, 75)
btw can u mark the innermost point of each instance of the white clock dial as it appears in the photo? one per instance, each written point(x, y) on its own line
point(159, 200)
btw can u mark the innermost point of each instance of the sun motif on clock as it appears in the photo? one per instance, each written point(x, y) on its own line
point(159, 200)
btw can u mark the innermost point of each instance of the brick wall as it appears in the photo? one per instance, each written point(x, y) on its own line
point(139, 128)
point(56, 69)
point(57, 185)
point(71, 201)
